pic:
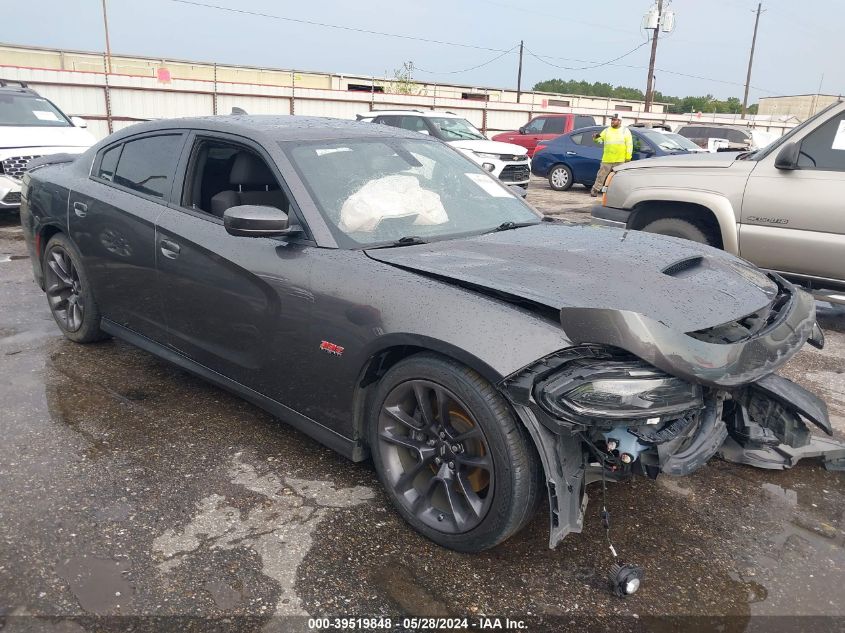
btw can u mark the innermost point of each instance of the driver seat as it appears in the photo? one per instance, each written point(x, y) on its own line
point(249, 170)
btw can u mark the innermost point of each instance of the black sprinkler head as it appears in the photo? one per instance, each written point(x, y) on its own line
point(625, 579)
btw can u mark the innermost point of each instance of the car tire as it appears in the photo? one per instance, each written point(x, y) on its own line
point(560, 178)
point(468, 484)
point(675, 227)
point(69, 294)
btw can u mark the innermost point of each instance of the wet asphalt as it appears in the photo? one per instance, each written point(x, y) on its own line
point(134, 496)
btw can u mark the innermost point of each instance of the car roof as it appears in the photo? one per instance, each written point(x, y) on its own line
point(23, 92)
point(715, 125)
point(273, 127)
point(422, 113)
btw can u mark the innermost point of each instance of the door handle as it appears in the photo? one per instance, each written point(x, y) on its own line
point(170, 249)
point(571, 153)
point(80, 209)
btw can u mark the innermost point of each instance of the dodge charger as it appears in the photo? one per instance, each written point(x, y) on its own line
point(382, 293)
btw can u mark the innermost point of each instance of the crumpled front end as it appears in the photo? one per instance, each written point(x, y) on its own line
point(633, 396)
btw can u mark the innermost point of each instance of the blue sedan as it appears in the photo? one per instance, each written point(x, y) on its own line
point(575, 157)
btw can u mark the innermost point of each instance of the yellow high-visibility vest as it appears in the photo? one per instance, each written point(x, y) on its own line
point(618, 144)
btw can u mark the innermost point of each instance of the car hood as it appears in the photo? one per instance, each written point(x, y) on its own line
point(690, 160)
point(35, 136)
point(490, 147)
point(680, 284)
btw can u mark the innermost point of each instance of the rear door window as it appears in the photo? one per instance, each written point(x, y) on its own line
point(584, 121)
point(108, 163)
point(824, 148)
point(585, 138)
point(555, 125)
point(147, 164)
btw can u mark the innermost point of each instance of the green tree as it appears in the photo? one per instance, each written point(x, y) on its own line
point(676, 105)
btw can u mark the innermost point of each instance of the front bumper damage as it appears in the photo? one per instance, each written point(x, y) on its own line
point(747, 415)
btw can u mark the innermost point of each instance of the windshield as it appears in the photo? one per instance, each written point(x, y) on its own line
point(661, 140)
point(377, 191)
point(768, 149)
point(683, 141)
point(455, 129)
point(22, 110)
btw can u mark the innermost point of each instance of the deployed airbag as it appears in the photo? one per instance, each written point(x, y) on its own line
point(393, 196)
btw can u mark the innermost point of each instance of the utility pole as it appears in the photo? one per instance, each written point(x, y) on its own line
point(519, 74)
point(751, 60)
point(649, 89)
point(108, 46)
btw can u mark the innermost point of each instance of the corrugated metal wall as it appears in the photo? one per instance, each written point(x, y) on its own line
point(117, 100)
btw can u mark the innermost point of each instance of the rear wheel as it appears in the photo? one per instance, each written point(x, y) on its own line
point(560, 178)
point(675, 227)
point(454, 461)
point(69, 293)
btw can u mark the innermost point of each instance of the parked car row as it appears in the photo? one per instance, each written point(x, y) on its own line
point(576, 157)
point(507, 162)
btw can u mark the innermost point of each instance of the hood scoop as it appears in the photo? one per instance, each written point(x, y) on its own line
point(678, 268)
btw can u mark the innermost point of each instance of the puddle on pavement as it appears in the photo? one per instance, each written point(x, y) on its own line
point(99, 584)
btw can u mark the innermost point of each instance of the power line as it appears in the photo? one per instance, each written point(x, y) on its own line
point(595, 65)
point(336, 26)
point(465, 70)
point(542, 58)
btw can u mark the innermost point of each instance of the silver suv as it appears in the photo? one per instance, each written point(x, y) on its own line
point(781, 207)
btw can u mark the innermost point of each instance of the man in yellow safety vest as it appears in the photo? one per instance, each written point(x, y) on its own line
point(618, 149)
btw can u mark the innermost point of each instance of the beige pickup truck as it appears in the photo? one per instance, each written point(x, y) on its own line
point(781, 207)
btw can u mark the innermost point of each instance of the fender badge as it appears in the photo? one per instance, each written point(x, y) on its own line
point(331, 348)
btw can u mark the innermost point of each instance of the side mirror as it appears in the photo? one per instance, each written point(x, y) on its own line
point(518, 191)
point(78, 121)
point(522, 130)
point(787, 157)
point(249, 220)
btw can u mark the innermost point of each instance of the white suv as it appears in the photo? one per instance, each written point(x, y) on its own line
point(508, 162)
point(31, 126)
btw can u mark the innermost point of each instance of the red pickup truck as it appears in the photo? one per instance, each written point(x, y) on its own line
point(544, 127)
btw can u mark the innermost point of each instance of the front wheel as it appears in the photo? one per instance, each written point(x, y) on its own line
point(675, 227)
point(560, 178)
point(454, 461)
point(69, 293)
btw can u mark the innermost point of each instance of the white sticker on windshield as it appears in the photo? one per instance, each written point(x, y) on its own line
point(45, 115)
point(839, 139)
point(322, 151)
point(488, 185)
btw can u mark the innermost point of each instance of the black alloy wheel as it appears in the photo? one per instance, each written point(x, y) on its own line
point(453, 458)
point(68, 293)
point(64, 290)
point(436, 456)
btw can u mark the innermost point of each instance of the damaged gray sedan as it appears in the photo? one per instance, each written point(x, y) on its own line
point(381, 292)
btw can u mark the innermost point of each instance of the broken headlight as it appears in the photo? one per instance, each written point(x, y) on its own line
point(617, 390)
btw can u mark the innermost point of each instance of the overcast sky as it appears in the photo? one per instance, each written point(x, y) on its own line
point(797, 42)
